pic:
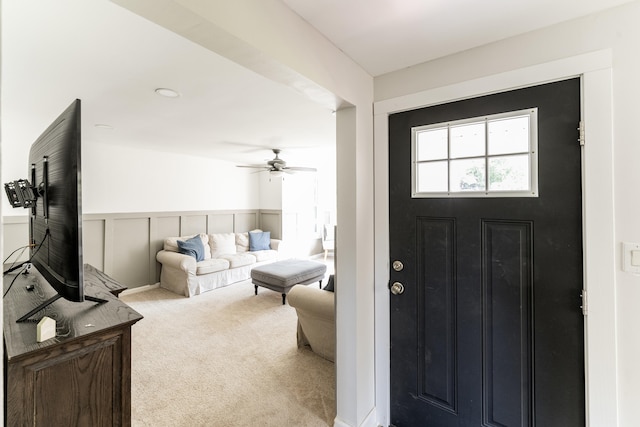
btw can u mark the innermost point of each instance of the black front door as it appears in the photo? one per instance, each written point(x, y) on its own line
point(489, 330)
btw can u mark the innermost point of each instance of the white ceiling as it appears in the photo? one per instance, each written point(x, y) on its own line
point(388, 35)
point(55, 51)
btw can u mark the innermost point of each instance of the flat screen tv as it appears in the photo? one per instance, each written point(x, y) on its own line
point(54, 196)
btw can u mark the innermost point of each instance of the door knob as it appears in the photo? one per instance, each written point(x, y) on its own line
point(397, 288)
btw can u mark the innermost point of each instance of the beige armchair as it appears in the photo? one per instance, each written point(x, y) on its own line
point(316, 319)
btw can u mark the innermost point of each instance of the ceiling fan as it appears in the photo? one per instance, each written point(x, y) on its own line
point(278, 165)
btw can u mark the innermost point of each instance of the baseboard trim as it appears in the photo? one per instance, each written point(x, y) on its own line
point(369, 421)
point(139, 289)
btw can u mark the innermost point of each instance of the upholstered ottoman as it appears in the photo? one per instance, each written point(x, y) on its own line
point(281, 276)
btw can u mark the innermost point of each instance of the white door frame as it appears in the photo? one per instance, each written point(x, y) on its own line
point(598, 219)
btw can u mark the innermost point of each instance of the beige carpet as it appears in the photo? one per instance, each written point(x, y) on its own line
point(225, 358)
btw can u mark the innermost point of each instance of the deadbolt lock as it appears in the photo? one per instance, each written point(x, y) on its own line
point(397, 265)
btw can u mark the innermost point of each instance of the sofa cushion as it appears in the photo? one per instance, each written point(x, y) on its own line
point(265, 255)
point(192, 247)
point(211, 266)
point(259, 240)
point(222, 244)
point(171, 244)
point(239, 260)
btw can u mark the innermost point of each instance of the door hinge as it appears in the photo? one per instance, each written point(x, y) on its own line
point(584, 306)
point(581, 133)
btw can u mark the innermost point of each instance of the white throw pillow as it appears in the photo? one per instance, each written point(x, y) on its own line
point(242, 242)
point(222, 243)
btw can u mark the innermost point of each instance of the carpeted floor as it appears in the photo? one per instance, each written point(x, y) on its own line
point(225, 358)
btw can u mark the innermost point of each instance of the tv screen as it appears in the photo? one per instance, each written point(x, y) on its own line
point(55, 227)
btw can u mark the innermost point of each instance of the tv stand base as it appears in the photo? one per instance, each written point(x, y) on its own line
point(26, 317)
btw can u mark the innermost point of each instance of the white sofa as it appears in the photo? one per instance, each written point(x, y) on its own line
point(227, 260)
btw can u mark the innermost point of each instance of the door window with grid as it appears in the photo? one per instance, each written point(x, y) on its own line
point(491, 156)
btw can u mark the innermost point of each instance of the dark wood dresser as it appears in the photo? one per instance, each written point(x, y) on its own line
point(82, 377)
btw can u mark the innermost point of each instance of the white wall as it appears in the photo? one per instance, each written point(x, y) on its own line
point(618, 30)
point(270, 191)
point(122, 179)
point(327, 189)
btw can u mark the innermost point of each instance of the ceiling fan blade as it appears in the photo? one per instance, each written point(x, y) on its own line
point(253, 166)
point(301, 169)
point(278, 165)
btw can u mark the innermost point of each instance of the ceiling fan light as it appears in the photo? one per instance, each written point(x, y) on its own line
point(277, 167)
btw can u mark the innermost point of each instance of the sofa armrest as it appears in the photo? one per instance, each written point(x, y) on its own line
point(313, 301)
point(316, 319)
point(177, 260)
point(276, 244)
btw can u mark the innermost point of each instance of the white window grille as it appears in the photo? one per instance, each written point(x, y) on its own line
point(489, 156)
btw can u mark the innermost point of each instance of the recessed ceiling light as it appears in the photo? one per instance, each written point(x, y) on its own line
point(103, 126)
point(169, 93)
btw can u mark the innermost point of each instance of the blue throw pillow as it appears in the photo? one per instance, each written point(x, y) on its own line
point(193, 247)
point(259, 241)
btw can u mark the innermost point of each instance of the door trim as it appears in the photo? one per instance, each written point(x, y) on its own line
point(598, 219)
